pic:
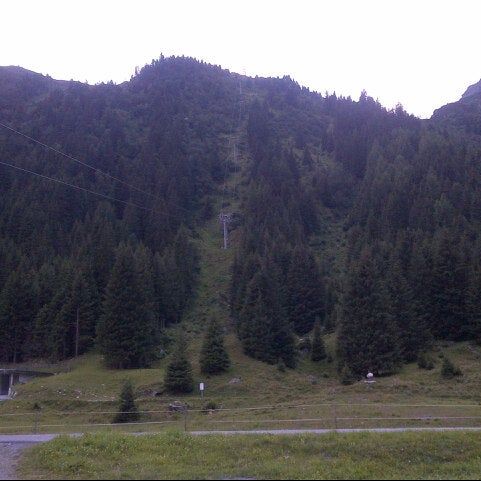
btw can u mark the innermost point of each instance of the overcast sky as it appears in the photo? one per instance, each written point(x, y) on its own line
point(421, 53)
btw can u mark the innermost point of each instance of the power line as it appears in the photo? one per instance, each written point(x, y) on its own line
point(89, 191)
point(74, 159)
point(83, 189)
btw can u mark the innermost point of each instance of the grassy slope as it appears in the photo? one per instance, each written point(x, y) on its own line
point(176, 456)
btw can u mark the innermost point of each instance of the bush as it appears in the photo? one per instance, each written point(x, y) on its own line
point(346, 376)
point(304, 345)
point(318, 349)
point(450, 370)
point(425, 362)
point(281, 366)
point(128, 412)
point(210, 406)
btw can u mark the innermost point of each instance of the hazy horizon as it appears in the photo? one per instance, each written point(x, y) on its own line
point(419, 54)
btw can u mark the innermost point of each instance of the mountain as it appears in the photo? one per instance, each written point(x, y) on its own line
point(464, 114)
point(345, 213)
point(474, 89)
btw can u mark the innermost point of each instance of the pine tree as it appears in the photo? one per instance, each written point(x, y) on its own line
point(214, 358)
point(178, 377)
point(264, 330)
point(127, 333)
point(17, 304)
point(368, 336)
point(86, 304)
point(128, 412)
point(318, 349)
point(451, 318)
point(413, 333)
point(305, 292)
point(144, 265)
point(474, 305)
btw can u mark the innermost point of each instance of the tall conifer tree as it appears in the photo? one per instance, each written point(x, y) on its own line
point(127, 333)
point(214, 358)
point(368, 338)
point(305, 292)
point(178, 376)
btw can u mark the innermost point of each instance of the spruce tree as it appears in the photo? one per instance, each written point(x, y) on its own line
point(318, 349)
point(178, 377)
point(450, 284)
point(368, 336)
point(128, 412)
point(412, 331)
point(265, 332)
point(86, 302)
point(127, 332)
point(474, 305)
point(17, 308)
point(214, 358)
point(305, 292)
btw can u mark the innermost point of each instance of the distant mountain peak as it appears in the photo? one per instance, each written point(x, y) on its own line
point(473, 90)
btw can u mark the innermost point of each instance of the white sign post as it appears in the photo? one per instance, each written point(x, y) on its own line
point(202, 389)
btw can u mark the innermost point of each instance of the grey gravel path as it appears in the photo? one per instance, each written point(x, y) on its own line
point(9, 456)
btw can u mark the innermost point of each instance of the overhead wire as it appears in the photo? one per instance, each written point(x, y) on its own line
point(92, 192)
point(74, 159)
point(83, 189)
point(95, 169)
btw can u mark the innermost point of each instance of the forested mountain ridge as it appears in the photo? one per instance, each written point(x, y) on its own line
point(464, 114)
point(405, 192)
point(474, 89)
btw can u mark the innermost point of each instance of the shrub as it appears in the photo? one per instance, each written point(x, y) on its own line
point(210, 406)
point(304, 346)
point(450, 370)
point(318, 349)
point(128, 412)
point(281, 366)
point(346, 376)
point(425, 362)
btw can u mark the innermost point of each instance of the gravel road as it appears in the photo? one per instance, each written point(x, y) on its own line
point(9, 455)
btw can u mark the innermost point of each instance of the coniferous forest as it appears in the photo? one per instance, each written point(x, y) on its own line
point(353, 219)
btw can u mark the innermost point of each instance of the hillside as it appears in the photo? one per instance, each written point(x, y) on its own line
point(474, 89)
point(362, 221)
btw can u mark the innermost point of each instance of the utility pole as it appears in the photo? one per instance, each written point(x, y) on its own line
point(225, 219)
point(77, 333)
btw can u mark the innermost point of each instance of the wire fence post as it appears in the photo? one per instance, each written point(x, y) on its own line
point(335, 417)
point(36, 417)
point(186, 411)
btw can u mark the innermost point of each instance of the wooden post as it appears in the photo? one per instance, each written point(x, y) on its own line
point(37, 410)
point(77, 333)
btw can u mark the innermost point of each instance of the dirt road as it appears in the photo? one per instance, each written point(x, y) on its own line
point(9, 456)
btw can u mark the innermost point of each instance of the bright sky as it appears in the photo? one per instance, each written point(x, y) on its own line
point(422, 53)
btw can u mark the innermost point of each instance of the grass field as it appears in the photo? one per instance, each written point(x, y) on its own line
point(88, 395)
point(178, 456)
